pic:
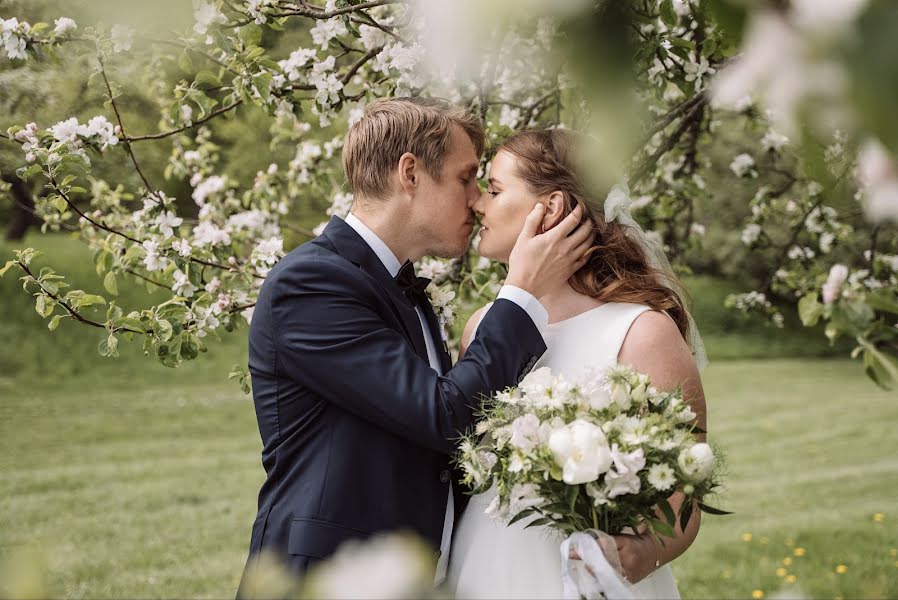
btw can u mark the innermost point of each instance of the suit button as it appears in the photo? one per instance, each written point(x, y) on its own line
point(444, 476)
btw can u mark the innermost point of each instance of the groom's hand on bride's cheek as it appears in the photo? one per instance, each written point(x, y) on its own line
point(542, 262)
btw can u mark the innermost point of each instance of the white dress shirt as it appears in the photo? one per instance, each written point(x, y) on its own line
point(522, 298)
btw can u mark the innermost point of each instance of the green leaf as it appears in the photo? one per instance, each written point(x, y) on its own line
point(668, 14)
point(54, 322)
point(108, 345)
point(250, 34)
point(44, 305)
point(263, 84)
point(662, 528)
point(207, 78)
point(163, 330)
point(810, 310)
point(26, 173)
point(883, 299)
point(185, 63)
point(110, 283)
point(539, 522)
point(879, 367)
point(522, 515)
point(711, 510)
point(7, 267)
point(686, 513)
point(570, 495)
point(59, 203)
point(666, 508)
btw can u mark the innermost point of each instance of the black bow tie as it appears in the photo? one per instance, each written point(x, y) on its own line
point(411, 285)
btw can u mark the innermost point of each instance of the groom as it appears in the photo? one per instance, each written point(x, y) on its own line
point(357, 402)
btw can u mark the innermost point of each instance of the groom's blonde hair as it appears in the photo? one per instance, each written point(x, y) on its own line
point(390, 128)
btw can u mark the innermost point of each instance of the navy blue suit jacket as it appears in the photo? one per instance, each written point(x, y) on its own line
point(357, 428)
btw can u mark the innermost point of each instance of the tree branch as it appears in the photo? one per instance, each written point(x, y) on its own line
point(150, 190)
point(165, 134)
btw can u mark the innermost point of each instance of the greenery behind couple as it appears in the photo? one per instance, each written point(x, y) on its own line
point(151, 476)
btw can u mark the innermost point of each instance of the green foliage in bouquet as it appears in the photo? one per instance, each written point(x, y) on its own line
point(598, 451)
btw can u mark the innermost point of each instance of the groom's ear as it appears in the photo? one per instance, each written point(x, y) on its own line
point(554, 210)
point(408, 172)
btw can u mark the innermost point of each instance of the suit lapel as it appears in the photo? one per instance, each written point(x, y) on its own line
point(353, 248)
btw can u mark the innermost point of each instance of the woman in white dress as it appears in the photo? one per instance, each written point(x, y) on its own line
point(616, 309)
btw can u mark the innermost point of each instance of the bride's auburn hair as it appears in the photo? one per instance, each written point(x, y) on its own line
point(617, 269)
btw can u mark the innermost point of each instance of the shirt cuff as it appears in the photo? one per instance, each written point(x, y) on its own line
point(529, 303)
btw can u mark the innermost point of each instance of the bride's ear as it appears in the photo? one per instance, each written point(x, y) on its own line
point(554, 210)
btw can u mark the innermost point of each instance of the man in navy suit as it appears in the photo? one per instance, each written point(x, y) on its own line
point(357, 402)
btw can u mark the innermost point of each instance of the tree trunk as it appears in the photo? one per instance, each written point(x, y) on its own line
point(22, 215)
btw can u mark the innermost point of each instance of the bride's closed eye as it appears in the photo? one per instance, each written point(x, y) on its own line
point(492, 193)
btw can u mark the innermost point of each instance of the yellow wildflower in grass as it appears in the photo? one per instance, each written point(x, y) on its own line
point(757, 594)
point(790, 542)
point(879, 518)
point(893, 552)
point(781, 572)
point(746, 537)
point(791, 579)
point(787, 561)
point(842, 569)
point(764, 540)
point(725, 574)
point(799, 552)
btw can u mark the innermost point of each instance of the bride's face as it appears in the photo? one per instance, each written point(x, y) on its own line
point(503, 208)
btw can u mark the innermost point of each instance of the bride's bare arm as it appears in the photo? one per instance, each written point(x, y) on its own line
point(655, 347)
point(468, 333)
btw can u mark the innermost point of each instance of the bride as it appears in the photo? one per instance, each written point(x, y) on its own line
point(620, 307)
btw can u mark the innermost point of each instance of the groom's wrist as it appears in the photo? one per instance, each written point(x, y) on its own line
point(528, 302)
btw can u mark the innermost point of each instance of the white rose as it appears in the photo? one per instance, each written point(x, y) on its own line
point(581, 450)
point(697, 462)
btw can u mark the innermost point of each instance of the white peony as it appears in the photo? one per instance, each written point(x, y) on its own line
point(581, 450)
point(697, 462)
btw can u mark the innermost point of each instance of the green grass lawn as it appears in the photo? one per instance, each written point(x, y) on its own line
point(128, 479)
point(150, 492)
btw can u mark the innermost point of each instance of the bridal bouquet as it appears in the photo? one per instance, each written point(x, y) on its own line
point(600, 452)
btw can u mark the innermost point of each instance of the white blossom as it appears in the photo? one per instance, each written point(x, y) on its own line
point(166, 222)
point(207, 15)
point(207, 187)
point(153, 261)
point(122, 37)
point(751, 233)
point(209, 234)
point(326, 30)
point(742, 165)
point(834, 282)
point(63, 25)
point(182, 247)
point(773, 141)
point(182, 285)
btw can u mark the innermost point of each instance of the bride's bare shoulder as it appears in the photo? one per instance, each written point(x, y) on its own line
point(654, 345)
point(470, 327)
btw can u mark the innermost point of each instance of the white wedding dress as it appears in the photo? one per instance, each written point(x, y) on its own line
point(488, 559)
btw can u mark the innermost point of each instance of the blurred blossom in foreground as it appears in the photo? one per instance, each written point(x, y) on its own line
point(877, 174)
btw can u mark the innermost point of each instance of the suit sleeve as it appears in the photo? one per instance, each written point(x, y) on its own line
point(331, 339)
